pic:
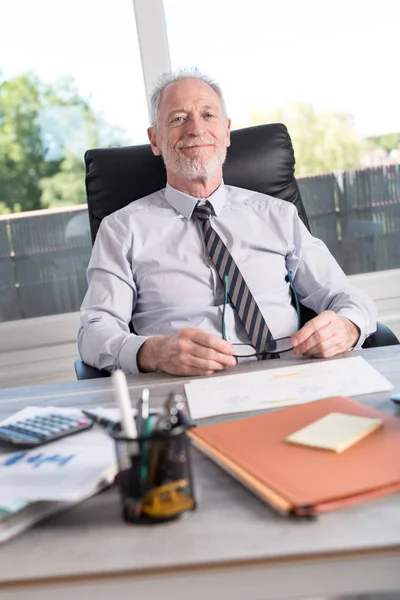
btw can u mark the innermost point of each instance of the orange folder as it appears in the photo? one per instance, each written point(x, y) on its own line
point(301, 480)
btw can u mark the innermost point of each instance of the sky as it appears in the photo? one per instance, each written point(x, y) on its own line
point(339, 56)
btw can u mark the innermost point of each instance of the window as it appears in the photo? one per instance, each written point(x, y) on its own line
point(70, 79)
point(328, 73)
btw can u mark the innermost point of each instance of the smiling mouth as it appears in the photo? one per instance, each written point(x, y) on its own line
point(199, 146)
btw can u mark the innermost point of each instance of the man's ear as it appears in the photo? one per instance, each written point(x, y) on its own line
point(228, 133)
point(151, 132)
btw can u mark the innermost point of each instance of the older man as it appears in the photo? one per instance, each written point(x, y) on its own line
point(200, 261)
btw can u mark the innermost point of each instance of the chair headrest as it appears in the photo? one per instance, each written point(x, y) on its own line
point(260, 158)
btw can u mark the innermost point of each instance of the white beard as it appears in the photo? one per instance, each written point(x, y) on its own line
point(202, 165)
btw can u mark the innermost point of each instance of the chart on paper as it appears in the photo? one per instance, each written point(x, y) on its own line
point(64, 470)
point(283, 386)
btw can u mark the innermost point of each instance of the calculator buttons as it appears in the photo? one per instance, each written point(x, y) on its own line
point(17, 432)
point(36, 430)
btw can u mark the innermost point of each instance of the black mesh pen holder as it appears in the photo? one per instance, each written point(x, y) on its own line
point(154, 475)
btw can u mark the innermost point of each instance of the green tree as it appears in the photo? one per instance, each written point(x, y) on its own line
point(66, 186)
point(390, 141)
point(22, 155)
point(323, 142)
point(44, 131)
point(4, 210)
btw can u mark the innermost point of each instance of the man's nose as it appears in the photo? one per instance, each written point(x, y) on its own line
point(195, 126)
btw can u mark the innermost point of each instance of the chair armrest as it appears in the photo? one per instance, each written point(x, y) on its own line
point(383, 336)
point(84, 371)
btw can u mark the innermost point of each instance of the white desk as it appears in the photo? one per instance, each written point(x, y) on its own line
point(232, 547)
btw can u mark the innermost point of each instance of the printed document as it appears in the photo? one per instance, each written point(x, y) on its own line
point(283, 386)
point(65, 470)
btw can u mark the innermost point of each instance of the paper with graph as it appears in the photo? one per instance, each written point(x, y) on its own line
point(284, 386)
point(64, 470)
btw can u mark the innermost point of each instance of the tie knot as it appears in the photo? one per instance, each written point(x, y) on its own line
point(203, 211)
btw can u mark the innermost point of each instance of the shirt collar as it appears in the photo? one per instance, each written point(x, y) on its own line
point(185, 204)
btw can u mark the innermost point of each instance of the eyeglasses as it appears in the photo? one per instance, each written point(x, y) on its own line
point(272, 346)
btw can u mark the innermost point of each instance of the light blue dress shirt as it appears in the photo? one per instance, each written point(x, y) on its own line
point(149, 265)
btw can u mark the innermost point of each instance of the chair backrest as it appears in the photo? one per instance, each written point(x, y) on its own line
point(260, 158)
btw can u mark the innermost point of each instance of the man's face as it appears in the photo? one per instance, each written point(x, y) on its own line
point(192, 134)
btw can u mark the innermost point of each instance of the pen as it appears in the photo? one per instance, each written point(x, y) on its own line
point(175, 409)
point(143, 426)
point(143, 414)
point(128, 427)
point(122, 398)
point(182, 414)
point(99, 419)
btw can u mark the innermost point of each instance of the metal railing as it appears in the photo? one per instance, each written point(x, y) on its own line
point(43, 259)
point(44, 254)
point(357, 214)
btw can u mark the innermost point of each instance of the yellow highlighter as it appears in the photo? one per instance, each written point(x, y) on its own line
point(281, 375)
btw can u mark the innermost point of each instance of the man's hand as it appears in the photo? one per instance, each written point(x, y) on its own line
point(187, 352)
point(325, 336)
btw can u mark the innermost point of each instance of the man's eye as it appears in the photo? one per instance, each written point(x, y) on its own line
point(209, 115)
point(177, 119)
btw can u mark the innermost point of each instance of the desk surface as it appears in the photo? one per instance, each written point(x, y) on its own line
point(230, 528)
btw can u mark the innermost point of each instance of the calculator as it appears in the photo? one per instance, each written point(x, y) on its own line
point(44, 428)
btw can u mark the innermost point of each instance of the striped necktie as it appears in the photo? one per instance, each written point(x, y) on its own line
point(239, 294)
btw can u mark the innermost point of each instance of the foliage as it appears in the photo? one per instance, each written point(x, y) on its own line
point(390, 141)
point(44, 131)
point(5, 210)
point(66, 186)
point(323, 142)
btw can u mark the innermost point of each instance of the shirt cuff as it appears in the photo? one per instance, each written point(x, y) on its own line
point(356, 318)
point(128, 354)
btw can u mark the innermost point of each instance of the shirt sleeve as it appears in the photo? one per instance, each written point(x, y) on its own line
point(104, 338)
point(321, 283)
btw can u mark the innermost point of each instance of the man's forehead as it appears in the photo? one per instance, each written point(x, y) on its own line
point(183, 93)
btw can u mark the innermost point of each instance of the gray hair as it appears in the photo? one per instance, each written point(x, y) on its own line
point(167, 78)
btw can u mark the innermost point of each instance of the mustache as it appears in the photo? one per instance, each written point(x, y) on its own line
point(196, 142)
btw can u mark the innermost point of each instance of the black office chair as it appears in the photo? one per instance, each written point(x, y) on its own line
point(260, 158)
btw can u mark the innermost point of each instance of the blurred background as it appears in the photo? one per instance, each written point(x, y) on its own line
point(71, 78)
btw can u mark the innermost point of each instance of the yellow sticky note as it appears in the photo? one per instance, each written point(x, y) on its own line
point(335, 431)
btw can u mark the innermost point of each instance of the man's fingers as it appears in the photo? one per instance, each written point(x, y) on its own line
point(188, 365)
point(187, 371)
point(209, 340)
point(211, 355)
point(326, 335)
point(317, 342)
point(206, 346)
point(184, 354)
point(192, 365)
point(310, 328)
point(203, 363)
point(332, 351)
point(323, 348)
